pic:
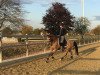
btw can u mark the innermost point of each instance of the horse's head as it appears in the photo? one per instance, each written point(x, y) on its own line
point(52, 38)
point(49, 37)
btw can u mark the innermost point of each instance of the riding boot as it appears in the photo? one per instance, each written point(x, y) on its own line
point(62, 48)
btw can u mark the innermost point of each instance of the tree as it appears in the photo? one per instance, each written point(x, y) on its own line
point(96, 30)
point(56, 15)
point(37, 31)
point(27, 29)
point(10, 13)
point(7, 31)
point(81, 26)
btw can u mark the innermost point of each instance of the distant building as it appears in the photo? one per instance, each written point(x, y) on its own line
point(9, 40)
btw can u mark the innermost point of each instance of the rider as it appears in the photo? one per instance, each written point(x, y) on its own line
point(62, 40)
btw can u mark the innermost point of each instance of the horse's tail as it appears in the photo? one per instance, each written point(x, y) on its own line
point(76, 48)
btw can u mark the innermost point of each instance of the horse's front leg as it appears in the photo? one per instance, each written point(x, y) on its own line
point(47, 59)
point(65, 55)
point(50, 55)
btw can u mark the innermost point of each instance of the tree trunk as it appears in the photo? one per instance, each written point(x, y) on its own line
point(82, 36)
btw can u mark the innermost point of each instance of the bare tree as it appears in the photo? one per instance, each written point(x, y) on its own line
point(81, 26)
point(26, 29)
point(10, 13)
point(96, 30)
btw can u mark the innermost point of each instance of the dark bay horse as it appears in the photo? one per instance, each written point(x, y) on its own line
point(54, 42)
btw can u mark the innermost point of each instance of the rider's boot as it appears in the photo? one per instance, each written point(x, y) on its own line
point(63, 48)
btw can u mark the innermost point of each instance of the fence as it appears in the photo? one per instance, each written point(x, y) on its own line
point(86, 40)
point(27, 45)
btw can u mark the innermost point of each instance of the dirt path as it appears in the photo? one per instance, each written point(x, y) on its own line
point(88, 63)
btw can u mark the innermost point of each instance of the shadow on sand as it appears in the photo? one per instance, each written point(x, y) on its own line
point(86, 52)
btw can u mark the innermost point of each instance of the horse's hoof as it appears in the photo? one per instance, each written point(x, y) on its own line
point(53, 58)
point(71, 57)
point(77, 56)
point(47, 61)
point(61, 59)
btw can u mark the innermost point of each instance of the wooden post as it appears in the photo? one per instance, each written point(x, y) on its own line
point(1, 49)
point(0, 56)
point(26, 45)
point(79, 40)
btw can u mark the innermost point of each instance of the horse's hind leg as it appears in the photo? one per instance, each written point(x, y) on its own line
point(70, 51)
point(76, 48)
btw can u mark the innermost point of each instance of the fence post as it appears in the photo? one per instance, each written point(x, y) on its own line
point(0, 56)
point(27, 45)
point(1, 48)
point(90, 40)
point(98, 37)
point(79, 40)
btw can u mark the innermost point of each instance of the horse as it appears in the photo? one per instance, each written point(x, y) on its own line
point(54, 46)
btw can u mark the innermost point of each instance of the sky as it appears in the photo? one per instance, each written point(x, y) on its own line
point(37, 9)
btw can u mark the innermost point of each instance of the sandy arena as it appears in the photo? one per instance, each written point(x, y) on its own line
point(88, 63)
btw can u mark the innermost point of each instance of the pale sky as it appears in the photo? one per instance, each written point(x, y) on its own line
point(37, 9)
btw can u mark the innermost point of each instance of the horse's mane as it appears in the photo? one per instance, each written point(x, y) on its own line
point(54, 42)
